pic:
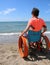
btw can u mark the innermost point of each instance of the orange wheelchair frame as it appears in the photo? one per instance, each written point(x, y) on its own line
point(23, 45)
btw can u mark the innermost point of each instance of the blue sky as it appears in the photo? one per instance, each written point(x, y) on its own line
point(19, 10)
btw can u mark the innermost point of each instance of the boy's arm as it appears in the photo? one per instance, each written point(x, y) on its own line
point(27, 28)
point(44, 29)
point(44, 26)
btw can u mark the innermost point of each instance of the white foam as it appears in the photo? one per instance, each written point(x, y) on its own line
point(48, 32)
point(18, 33)
point(10, 33)
point(13, 37)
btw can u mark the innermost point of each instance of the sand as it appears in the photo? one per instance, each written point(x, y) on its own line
point(9, 55)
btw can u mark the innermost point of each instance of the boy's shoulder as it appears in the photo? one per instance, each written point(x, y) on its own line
point(34, 19)
point(31, 19)
point(42, 22)
point(41, 19)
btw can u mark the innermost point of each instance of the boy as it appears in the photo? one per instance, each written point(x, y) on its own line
point(35, 24)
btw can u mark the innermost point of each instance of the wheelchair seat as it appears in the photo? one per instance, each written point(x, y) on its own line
point(34, 36)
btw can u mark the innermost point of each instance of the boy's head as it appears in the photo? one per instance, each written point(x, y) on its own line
point(35, 12)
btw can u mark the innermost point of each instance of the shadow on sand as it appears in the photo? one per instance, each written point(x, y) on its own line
point(38, 55)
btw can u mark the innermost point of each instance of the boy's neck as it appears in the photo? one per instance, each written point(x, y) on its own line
point(34, 17)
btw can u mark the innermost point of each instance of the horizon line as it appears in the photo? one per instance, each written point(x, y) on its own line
point(18, 20)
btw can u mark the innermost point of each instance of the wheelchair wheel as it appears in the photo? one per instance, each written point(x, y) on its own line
point(45, 42)
point(23, 47)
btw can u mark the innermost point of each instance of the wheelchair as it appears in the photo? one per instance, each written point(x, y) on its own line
point(24, 46)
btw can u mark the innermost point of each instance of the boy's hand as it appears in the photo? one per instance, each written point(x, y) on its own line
point(21, 34)
point(42, 34)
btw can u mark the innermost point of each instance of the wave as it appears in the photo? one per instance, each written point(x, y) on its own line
point(10, 33)
point(18, 33)
point(48, 32)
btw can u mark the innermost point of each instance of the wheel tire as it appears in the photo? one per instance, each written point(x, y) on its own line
point(46, 43)
point(23, 42)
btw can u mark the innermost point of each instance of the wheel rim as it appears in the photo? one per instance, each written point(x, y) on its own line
point(44, 43)
point(22, 48)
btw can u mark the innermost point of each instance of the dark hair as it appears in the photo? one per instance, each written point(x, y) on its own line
point(35, 12)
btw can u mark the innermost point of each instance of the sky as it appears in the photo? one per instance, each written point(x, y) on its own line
point(20, 10)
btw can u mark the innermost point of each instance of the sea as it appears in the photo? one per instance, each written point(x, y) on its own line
point(10, 31)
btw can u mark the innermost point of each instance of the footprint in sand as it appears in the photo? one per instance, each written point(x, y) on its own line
point(12, 56)
point(2, 51)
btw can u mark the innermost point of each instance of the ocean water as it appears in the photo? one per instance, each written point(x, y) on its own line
point(14, 27)
point(10, 31)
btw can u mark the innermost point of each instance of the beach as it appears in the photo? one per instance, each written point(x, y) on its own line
point(9, 54)
point(16, 17)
